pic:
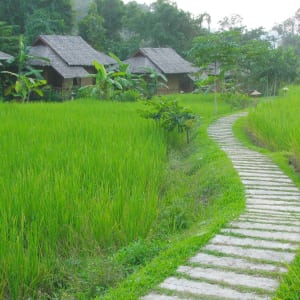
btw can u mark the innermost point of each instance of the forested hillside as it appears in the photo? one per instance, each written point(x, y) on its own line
point(250, 59)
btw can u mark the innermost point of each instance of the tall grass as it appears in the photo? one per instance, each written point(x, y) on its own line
point(73, 177)
point(82, 177)
point(276, 124)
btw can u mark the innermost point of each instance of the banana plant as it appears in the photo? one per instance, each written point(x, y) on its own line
point(24, 86)
point(27, 79)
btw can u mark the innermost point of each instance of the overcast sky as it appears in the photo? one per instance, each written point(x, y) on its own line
point(255, 13)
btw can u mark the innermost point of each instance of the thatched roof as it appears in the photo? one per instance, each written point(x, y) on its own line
point(68, 55)
point(4, 56)
point(53, 60)
point(164, 60)
point(140, 65)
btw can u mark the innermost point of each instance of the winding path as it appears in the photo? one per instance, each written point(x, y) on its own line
point(245, 260)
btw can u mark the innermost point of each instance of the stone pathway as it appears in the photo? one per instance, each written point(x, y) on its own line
point(245, 260)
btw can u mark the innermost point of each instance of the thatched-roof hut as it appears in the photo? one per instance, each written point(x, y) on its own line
point(68, 60)
point(4, 57)
point(167, 62)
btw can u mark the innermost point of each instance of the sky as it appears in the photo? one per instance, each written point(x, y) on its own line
point(255, 13)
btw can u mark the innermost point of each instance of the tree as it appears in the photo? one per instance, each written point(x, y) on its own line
point(27, 79)
point(170, 115)
point(112, 12)
point(219, 49)
point(171, 27)
point(42, 21)
point(92, 30)
point(19, 12)
point(231, 22)
point(8, 38)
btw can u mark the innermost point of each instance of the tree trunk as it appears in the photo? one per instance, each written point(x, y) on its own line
point(187, 136)
point(215, 95)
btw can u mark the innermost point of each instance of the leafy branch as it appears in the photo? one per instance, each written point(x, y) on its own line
point(170, 115)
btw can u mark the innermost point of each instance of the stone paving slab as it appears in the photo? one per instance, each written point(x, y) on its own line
point(273, 214)
point(273, 193)
point(234, 263)
point(275, 187)
point(284, 236)
point(265, 176)
point(250, 242)
point(232, 278)
point(161, 297)
point(270, 184)
point(271, 227)
point(247, 167)
point(273, 202)
point(268, 255)
point(207, 289)
point(275, 220)
point(295, 209)
point(252, 195)
point(263, 173)
point(254, 166)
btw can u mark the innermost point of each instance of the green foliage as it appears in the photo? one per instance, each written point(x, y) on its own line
point(201, 187)
point(238, 100)
point(58, 16)
point(24, 86)
point(27, 79)
point(154, 82)
point(127, 27)
point(275, 125)
point(67, 187)
point(64, 246)
point(170, 115)
point(116, 84)
point(170, 26)
point(43, 21)
point(247, 58)
point(137, 254)
point(91, 29)
point(8, 38)
point(111, 11)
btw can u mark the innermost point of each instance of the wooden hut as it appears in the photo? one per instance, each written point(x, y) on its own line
point(68, 60)
point(167, 62)
point(4, 57)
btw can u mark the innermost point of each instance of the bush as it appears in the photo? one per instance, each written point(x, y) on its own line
point(238, 101)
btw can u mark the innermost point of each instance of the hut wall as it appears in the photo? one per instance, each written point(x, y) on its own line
point(53, 78)
point(87, 81)
point(67, 84)
point(177, 83)
point(173, 85)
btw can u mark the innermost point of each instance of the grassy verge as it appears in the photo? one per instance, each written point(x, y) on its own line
point(281, 154)
point(202, 193)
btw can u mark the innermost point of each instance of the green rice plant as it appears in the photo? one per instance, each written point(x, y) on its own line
point(84, 178)
point(74, 177)
point(276, 124)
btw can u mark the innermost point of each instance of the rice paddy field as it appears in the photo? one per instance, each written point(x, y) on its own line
point(76, 179)
point(276, 125)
